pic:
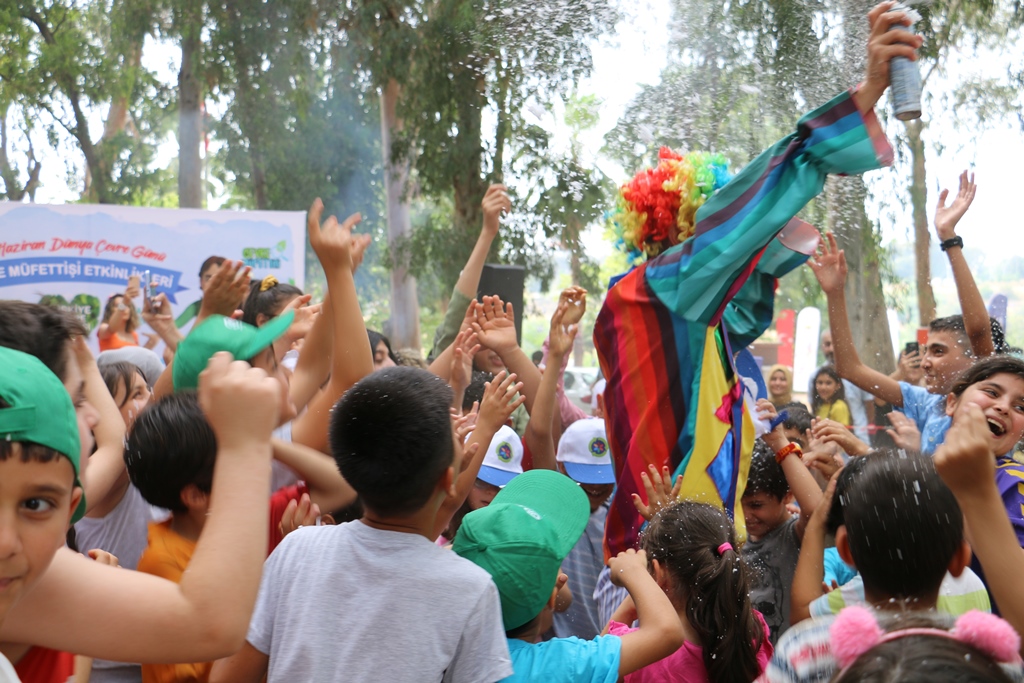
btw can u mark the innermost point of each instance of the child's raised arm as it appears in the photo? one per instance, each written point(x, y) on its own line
point(327, 488)
point(495, 328)
point(976, 321)
point(351, 356)
point(106, 465)
point(810, 567)
point(801, 482)
point(540, 431)
point(660, 633)
point(829, 266)
point(966, 463)
point(83, 607)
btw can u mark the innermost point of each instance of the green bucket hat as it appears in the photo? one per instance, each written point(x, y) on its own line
point(40, 410)
point(523, 536)
point(216, 334)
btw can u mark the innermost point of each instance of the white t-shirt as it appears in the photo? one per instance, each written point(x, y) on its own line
point(123, 532)
point(7, 674)
point(353, 603)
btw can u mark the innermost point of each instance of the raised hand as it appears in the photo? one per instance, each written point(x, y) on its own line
point(332, 241)
point(561, 335)
point(883, 45)
point(904, 432)
point(297, 514)
point(495, 325)
point(946, 217)
point(132, 290)
point(225, 290)
point(830, 431)
point(496, 203)
point(499, 402)
point(965, 460)
point(575, 299)
point(241, 403)
point(464, 349)
point(829, 265)
point(360, 243)
point(626, 565)
point(305, 316)
point(661, 492)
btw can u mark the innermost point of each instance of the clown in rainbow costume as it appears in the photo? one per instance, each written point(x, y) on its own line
point(668, 329)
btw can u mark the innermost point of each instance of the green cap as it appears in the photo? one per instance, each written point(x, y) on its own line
point(216, 334)
point(523, 536)
point(40, 410)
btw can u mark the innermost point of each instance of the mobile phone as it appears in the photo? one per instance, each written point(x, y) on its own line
point(147, 278)
point(912, 347)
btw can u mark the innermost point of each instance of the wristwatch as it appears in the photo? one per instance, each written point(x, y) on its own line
point(946, 245)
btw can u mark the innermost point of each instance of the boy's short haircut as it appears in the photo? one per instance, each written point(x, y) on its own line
point(40, 331)
point(216, 334)
point(210, 262)
point(391, 436)
point(903, 523)
point(523, 537)
point(986, 369)
point(37, 414)
point(797, 417)
point(766, 475)
point(954, 324)
point(475, 390)
point(170, 446)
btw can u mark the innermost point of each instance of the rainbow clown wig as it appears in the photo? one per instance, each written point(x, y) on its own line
point(657, 208)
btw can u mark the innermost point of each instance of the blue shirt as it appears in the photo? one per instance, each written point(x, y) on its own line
point(566, 659)
point(837, 570)
point(928, 411)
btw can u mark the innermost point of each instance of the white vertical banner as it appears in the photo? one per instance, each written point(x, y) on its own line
point(805, 347)
point(894, 332)
point(75, 256)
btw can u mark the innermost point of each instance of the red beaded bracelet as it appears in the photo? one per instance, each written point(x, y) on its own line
point(786, 451)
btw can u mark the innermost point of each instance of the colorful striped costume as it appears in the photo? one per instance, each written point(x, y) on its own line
point(666, 334)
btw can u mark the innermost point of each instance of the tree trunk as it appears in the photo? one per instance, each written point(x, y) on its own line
point(247, 100)
point(190, 171)
point(922, 238)
point(405, 310)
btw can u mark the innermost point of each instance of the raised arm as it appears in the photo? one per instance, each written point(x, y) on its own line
point(351, 356)
point(540, 431)
point(327, 488)
point(829, 267)
point(106, 465)
point(801, 482)
point(495, 328)
point(148, 619)
point(810, 567)
point(976, 320)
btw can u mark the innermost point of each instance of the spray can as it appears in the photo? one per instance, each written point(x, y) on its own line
point(904, 76)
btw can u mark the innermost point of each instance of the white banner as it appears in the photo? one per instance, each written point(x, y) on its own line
point(805, 348)
point(77, 255)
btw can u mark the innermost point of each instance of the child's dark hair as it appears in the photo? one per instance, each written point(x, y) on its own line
point(840, 395)
point(797, 417)
point(120, 374)
point(210, 262)
point(904, 526)
point(40, 331)
point(391, 435)
point(714, 587)
point(475, 390)
point(923, 659)
point(170, 446)
point(986, 369)
point(954, 324)
point(267, 296)
point(766, 475)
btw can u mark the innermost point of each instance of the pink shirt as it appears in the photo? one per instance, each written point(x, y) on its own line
point(686, 663)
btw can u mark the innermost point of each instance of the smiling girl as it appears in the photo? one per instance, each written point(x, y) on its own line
point(829, 399)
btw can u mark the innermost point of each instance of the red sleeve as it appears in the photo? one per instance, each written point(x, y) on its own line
point(278, 502)
point(42, 665)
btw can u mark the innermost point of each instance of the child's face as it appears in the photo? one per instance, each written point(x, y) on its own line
point(826, 387)
point(133, 400)
point(381, 359)
point(266, 360)
point(943, 360)
point(1001, 399)
point(796, 436)
point(88, 417)
point(763, 513)
point(597, 494)
point(777, 384)
point(488, 361)
point(482, 494)
point(36, 503)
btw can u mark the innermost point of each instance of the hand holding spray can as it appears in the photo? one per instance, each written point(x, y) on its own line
point(904, 76)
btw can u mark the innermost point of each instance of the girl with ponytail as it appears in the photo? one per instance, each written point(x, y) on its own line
point(692, 554)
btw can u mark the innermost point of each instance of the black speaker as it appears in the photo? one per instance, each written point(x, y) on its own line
point(508, 282)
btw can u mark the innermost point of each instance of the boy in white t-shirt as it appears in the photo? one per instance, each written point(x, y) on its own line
point(375, 599)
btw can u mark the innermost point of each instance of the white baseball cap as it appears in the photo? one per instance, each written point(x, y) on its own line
point(504, 458)
point(583, 451)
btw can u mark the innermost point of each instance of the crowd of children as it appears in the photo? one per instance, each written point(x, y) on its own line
point(284, 497)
